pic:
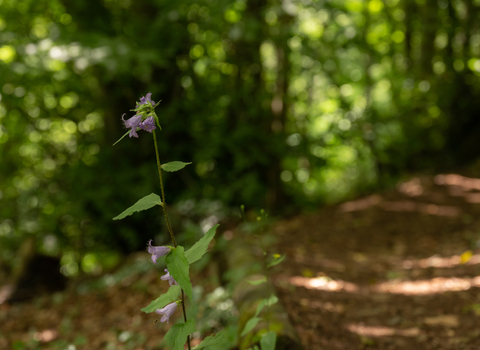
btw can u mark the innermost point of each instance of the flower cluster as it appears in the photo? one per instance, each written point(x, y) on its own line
point(144, 117)
point(157, 252)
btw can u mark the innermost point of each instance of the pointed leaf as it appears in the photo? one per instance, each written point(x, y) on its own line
point(196, 252)
point(174, 166)
point(176, 337)
point(267, 342)
point(178, 267)
point(276, 261)
point(120, 139)
point(145, 203)
point(257, 282)
point(211, 340)
point(266, 302)
point(186, 330)
point(172, 334)
point(250, 325)
point(163, 300)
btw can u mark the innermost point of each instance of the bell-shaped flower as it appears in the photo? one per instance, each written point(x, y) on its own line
point(146, 99)
point(157, 251)
point(167, 311)
point(168, 278)
point(148, 124)
point(133, 123)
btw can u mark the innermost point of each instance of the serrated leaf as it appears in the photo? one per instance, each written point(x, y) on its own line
point(276, 261)
point(196, 252)
point(174, 166)
point(145, 203)
point(257, 282)
point(172, 334)
point(184, 332)
point(266, 302)
point(178, 267)
point(268, 341)
point(120, 139)
point(170, 296)
point(211, 340)
point(250, 325)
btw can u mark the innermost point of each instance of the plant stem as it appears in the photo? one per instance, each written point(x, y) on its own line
point(170, 231)
point(164, 204)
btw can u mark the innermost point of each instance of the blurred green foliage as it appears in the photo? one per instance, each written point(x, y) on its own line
point(277, 103)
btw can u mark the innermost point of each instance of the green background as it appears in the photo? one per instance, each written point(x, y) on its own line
point(284, 105)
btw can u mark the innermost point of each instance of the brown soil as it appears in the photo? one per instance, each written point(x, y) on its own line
point(399, 270)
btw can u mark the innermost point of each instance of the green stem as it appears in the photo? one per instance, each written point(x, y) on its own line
point(164, 204)
point(170, 231)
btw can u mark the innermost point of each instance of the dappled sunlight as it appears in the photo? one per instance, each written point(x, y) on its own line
point(424, 287)
point(430, 209)
point(459, 186)
point(411, 188)
point(404, 206)
point(324, 283)
point(441, 262)
point(324, 305)
point(380, 331)
point(466, 183)
point(360, 204)
point(45, 336)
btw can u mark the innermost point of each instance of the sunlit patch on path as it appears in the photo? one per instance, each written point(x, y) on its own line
point(431, 286)
point(422, 287)
point(442, 262)
point(380, 331)
point(46, 336)
point(323, 283)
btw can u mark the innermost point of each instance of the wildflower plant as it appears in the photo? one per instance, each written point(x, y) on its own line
point(178, 259)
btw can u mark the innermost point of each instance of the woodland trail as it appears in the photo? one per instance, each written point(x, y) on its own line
point(396, 270)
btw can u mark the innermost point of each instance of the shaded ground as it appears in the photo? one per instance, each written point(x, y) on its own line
point(399, 270)
point(396, 270)
point(103, 315)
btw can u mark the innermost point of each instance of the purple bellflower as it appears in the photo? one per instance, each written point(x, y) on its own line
point(145, 99)
point(157, 251)
point(134, 122)
point(168, 278)
point(167, 311)
point(148, 124)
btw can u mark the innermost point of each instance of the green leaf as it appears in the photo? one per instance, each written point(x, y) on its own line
point(176, 337)
point(120, 139)
point(276, 261)
point(250, 325)
point(172, 334)
point(211, 340)
point(145, 203)
point(177, 265)
point(268, 341)
point(196, 252)
point(163, 300)
point(257, 282)
point(174, 166)
point(266, 302)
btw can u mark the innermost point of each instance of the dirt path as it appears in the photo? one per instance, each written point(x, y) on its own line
point(399, 270)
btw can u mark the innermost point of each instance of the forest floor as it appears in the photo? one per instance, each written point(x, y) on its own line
point(395, 270)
